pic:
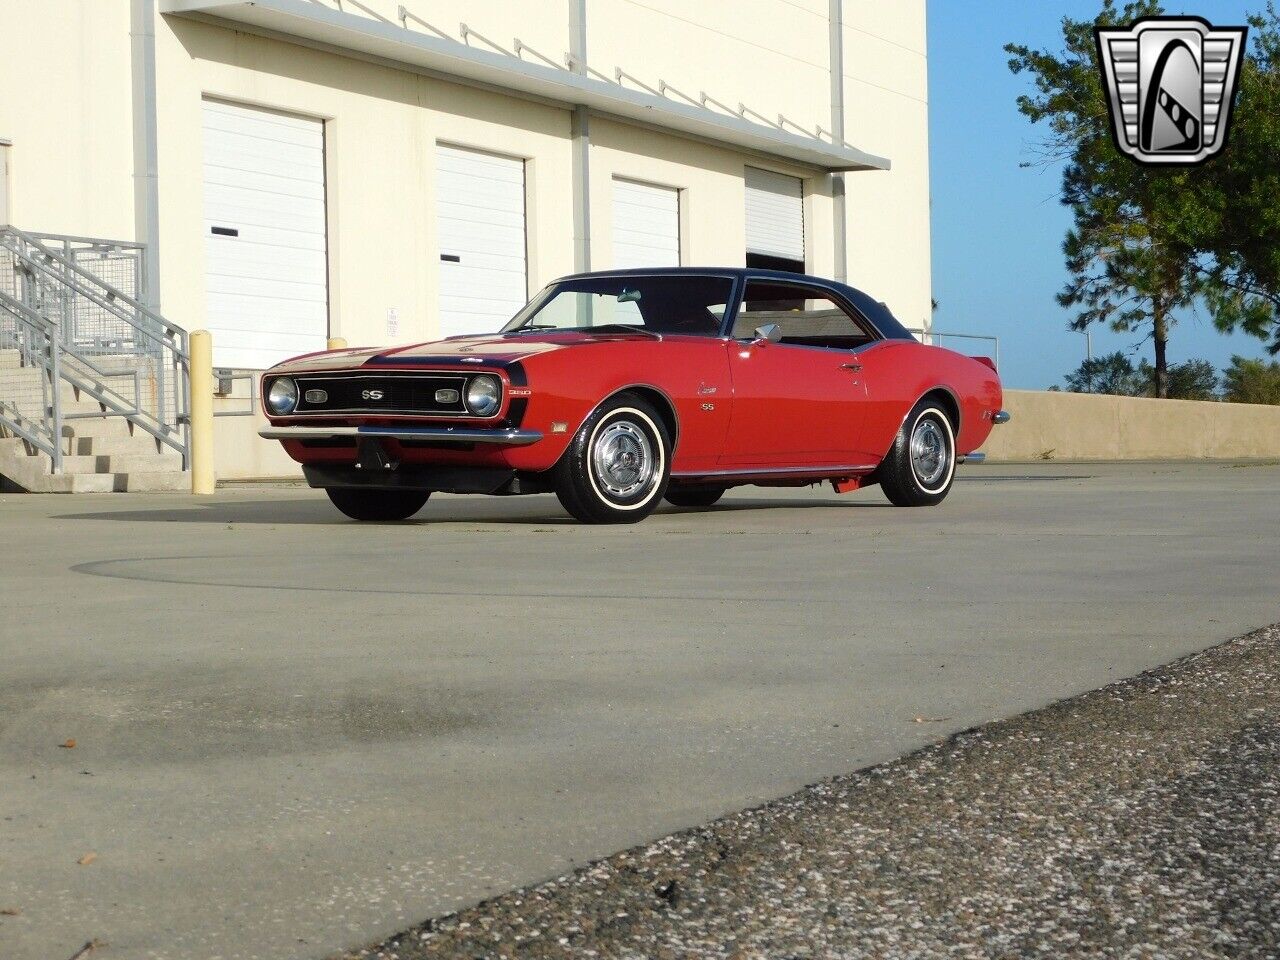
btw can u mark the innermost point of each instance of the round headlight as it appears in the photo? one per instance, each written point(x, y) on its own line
point(282, 396)
point(484, 396)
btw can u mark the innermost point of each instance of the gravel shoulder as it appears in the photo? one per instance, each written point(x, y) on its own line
point(1139, 820)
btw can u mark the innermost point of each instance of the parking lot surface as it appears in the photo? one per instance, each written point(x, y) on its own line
point(1138, 820)
point(294, 733)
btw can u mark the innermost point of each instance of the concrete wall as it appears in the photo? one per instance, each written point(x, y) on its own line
point(886, 98)
point(67, 107)
point(1073, 426)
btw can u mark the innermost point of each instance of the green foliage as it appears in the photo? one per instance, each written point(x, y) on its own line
point(1252, 381)
point(1189, 380)
point(1113, 373)
point(1238, 236)
point(1146, 242)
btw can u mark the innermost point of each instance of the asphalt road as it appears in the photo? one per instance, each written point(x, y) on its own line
point(295, 734)
point(1141, 820)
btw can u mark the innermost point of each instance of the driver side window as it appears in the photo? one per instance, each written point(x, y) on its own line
point(806, 317)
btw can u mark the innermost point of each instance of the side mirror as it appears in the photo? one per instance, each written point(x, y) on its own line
point(769, 333)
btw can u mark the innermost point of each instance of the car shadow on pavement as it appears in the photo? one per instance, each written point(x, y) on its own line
point(516, 511)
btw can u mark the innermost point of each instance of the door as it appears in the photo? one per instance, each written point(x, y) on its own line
point(480, 219)
point(266, 257)
point(775, 221)
point(646, 225)
point(798, 401)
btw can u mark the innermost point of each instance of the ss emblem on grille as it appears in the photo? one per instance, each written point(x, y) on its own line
point(371, 395)
point(447, 396)
point(316, 396)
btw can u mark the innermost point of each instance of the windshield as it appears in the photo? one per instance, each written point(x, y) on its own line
point(658, 304)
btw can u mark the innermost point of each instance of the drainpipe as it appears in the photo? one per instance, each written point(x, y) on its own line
point(581, 131)
point(837, 134)
point(146, 186)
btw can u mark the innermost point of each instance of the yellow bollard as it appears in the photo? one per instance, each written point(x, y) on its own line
point(202, 475)
point(336, 343)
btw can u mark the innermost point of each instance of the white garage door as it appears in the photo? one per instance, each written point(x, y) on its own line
point(646, 225)
point(265, 261)
point(480, 218)
point(775, 215)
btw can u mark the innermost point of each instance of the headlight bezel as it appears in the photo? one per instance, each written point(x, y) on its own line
point(490, 402)
point(292, 396)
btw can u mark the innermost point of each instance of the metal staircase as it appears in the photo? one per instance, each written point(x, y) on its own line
point(94, 387)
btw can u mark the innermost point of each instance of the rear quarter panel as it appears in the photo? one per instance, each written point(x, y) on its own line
point(898, 373)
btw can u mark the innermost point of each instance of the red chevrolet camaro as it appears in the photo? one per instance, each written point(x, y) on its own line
point(617, 390)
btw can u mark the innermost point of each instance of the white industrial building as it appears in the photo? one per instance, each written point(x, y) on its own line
point(295, 170)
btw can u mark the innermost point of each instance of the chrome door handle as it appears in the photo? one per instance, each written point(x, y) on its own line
point(855, 367)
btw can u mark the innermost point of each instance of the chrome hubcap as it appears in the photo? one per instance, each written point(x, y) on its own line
point(929, 454)
point(623, 459)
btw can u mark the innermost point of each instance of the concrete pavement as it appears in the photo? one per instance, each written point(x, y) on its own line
point(296, 733)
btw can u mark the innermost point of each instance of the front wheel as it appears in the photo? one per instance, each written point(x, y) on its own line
point(617, 465)
point(361, 504)
point(921, 466)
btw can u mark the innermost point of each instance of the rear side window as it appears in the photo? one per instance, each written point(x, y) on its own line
point(806, 316)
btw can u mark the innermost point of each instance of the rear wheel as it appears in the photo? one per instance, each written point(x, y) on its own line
point(920, 468)
point(617, 465)
point(693, 496)
point(361, 504)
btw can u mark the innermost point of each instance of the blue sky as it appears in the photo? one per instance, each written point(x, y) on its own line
point(998, 228)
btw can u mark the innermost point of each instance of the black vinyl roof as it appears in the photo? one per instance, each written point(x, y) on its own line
point(880, 316)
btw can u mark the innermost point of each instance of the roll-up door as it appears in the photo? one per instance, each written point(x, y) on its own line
point(266, 263)
point(646, 225)
point(481, 223)
point(775, 216)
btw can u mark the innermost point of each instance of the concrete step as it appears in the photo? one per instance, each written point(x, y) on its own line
point(139, 463)
point(169, 481)
point(140, 443)
point(122, 463)
point(10, 360)
point(79, 475)
point(113, 427)
point(33, 475)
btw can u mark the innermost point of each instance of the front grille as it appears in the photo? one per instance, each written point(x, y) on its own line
point(414, 393)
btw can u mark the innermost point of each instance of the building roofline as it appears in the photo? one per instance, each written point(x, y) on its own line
point(317, 25)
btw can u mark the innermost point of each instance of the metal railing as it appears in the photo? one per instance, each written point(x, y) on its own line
point(940, 338)
point(84, 344)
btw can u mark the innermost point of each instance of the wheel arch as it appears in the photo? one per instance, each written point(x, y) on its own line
point(945, 398)
point(949, 402)
point(657, 397)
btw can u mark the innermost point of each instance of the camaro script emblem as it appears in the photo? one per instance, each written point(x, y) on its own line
point(1170, 83)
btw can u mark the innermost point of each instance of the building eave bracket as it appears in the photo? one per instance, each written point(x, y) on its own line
point(315, 23)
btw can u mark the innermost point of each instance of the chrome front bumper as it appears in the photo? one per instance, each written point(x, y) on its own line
point(511, 438)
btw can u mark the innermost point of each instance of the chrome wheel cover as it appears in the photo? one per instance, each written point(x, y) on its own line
point(622, 460)
point(930, 452)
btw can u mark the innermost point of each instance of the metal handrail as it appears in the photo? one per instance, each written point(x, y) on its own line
point(230, 376)
point(33, 239)
point(100, 392)
point(53, 283)
point(937, 335)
